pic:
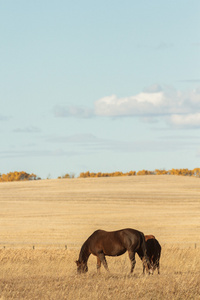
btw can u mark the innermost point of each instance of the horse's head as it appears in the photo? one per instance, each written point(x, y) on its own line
point(81, 266)
point(148, 265)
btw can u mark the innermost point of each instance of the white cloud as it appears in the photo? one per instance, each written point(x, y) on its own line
point(155, 101)
point(186, 121)
point(177, 108)
point(141, 104)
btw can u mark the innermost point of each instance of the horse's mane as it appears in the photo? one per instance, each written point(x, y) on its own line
point(83, 256)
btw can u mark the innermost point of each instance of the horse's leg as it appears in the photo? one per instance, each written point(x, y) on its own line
point(98, 265)
point(144, 265)
point(143, 268)
point(132, 259)
point(102, 259)
point(158, 266)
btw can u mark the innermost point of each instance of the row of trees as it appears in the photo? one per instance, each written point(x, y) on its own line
point(182, 172)
point(18, 176)
point(99, 174)
point(71, 175)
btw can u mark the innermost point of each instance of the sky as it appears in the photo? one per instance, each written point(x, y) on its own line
point(99, 86)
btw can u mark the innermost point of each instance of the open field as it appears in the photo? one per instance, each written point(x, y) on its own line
point(50, 214)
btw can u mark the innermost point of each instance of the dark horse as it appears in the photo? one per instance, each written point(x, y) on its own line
point(153, 249)
point(103, 243)
point(153, 253)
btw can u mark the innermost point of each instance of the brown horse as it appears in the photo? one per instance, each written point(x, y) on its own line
point(153, 252)
point(148, 237)
point(103, 243)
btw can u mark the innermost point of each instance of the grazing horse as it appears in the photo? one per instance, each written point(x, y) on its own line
point(148, 237)
point(153, 252)
point(103, 243)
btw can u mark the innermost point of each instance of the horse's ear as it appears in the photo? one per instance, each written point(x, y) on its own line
point(77, 262)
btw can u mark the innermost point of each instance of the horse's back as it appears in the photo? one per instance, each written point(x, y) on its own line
point(114, 242)
point(118, 234)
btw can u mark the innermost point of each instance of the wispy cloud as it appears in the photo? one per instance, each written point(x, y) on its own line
point(37, 153)
point(86, 143)
point(72, 111)
point(184, 137)
point(190, 80)
point(4, 118)
point(163, 45)
point(76, 138)
point(29, 129)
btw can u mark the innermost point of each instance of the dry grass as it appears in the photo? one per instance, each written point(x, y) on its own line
point(50, 214)
point(50, 274)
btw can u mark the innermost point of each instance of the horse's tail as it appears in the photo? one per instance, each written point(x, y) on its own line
point(143, 253)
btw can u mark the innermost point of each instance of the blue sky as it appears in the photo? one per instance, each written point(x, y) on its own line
point(99, 85)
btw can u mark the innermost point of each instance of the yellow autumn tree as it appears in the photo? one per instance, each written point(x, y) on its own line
point(18, 176)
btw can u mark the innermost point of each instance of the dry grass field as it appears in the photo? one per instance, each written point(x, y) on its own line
point(50, 214)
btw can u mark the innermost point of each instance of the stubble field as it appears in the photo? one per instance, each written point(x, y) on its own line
point(44, 223)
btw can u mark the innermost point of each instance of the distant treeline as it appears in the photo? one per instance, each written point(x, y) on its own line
point(18, 176)
point(99, 174)
point(183, 172)
point(23, 176)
